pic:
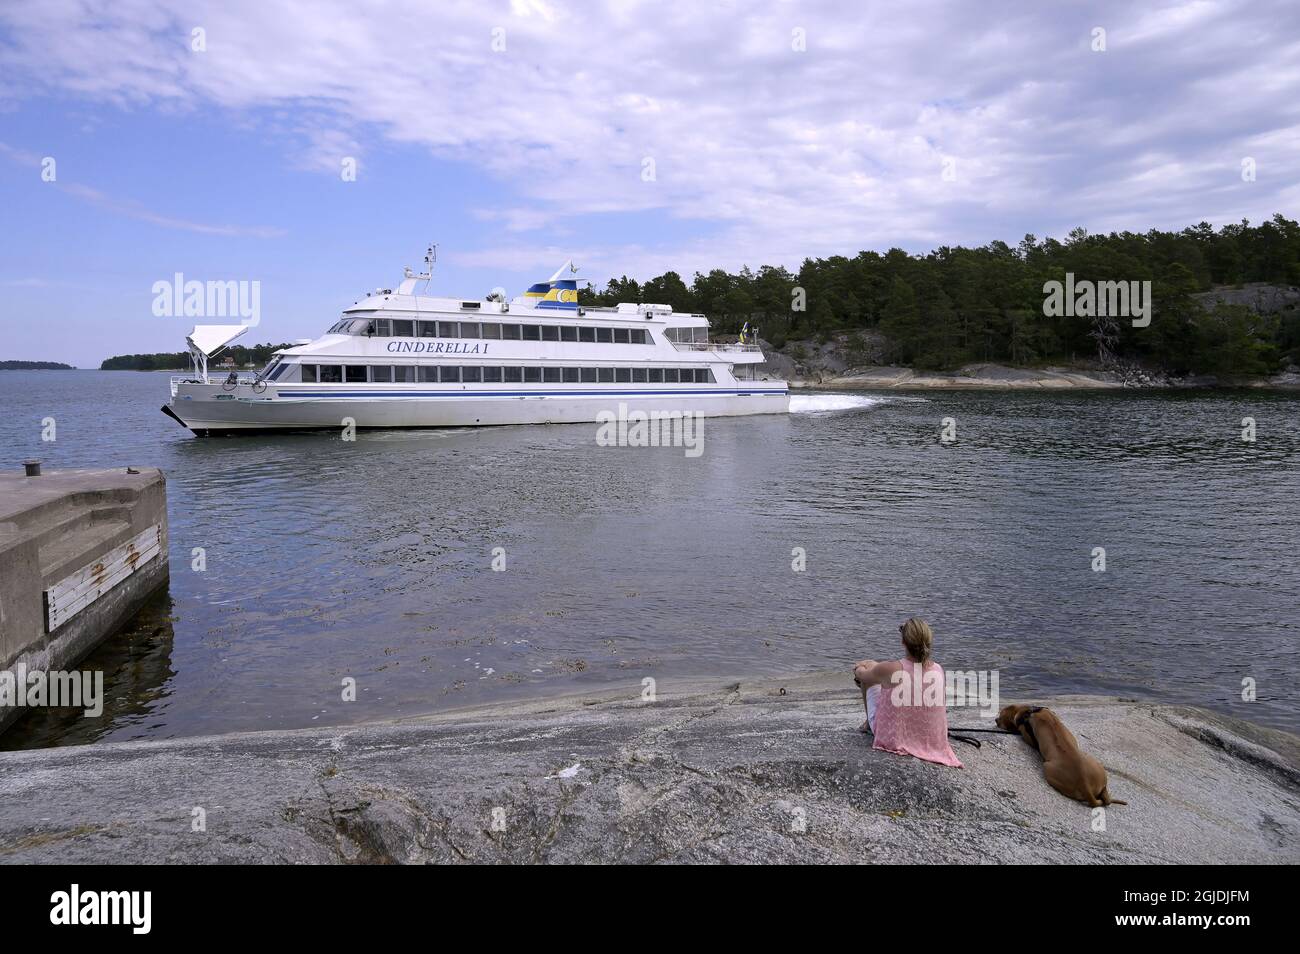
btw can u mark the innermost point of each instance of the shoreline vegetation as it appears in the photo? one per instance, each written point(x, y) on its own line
point(256, 356)
point(1222, 303)
point(773, 770)
point(35, 366)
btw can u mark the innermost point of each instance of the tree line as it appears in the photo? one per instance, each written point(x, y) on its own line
point(957, 305)
point(257, 355)
point(35, 366)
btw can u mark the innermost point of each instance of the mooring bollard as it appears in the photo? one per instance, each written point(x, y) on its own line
point(32, 467)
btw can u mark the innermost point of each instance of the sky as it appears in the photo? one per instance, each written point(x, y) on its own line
point(215, 140)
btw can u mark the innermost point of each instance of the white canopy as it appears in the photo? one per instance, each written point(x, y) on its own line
point(209, 339)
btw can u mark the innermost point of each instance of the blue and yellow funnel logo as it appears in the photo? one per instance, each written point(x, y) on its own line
point(556, 292)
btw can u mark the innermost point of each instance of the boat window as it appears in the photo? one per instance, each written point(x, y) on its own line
point(639, 336)
point(656, 375)
point(448, 329)
point(383, 327)
point(589, 375)
point(621, 336)
point(471, 374)
point(381, 373)
point(605, 335)
point(360, 326)
point(512, 375)
point(449, 372)
point(638, 375)
point(404, 374)
point(428, 373)
point(532, 333)
point(331, 373)
point(308, 373)
point(491, 329)
point(572, 375)
point(606, 376)
point(403, 328)
point(670, 375)
point(428, 329)
point(532, 375)
point(586, 334)
point(568, 333)
point(283, 372)
point(491, 375)
point(623, 375)
point(550, 333)
point(355, 373)
point(510, 332)
point(552, 375)
point(469, 329)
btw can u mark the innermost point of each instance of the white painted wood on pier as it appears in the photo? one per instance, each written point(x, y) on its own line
point(75, 592)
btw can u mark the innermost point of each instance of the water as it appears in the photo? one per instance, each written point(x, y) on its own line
point(372, 559)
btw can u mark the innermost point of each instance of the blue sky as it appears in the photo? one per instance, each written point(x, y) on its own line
point(517, 134)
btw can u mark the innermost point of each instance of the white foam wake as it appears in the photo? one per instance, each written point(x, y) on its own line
point(813, 403)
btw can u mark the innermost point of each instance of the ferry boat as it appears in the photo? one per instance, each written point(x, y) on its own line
point(398, 359)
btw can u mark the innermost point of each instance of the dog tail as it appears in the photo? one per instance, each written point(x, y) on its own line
point(1107, 800)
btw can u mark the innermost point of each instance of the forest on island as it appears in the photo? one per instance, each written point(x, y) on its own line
point(957, 305)
point(257, 355)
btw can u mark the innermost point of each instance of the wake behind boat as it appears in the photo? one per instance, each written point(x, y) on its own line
point(398, 359)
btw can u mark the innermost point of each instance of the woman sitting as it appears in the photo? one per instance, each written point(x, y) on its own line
point(910, 719)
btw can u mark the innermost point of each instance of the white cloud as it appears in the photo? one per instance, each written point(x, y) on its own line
point(779, 153)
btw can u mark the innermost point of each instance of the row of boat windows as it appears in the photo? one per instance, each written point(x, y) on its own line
point(475, 374)
point(493, 330)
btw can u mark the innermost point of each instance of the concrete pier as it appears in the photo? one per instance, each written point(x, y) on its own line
point(80, 553)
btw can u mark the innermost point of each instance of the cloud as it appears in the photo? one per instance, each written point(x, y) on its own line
point(133, 209)
point(772, 151)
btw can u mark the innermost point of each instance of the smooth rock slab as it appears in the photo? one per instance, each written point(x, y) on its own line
point(730, 774)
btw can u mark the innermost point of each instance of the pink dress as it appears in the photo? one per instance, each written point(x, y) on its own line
point(914, 728)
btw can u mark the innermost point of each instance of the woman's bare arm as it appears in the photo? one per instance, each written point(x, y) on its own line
point(871, 673)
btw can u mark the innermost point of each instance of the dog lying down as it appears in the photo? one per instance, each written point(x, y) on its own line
point(1070, 770)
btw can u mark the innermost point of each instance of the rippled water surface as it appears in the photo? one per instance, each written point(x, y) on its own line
point(372, 559)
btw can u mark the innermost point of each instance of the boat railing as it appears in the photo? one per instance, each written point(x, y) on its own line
point(714, 346)
point(232, 377)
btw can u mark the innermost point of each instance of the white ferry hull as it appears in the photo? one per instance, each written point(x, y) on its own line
point(208, 409)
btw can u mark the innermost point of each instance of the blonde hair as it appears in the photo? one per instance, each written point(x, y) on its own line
point(918, 639)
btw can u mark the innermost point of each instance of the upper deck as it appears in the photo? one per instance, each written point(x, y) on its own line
point(389, 315)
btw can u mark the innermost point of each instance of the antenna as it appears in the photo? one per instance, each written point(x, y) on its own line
point(411, 277)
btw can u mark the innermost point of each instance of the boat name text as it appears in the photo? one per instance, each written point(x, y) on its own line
point(440, 347)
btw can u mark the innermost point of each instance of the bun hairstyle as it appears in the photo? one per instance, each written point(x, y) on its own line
point(918, 639)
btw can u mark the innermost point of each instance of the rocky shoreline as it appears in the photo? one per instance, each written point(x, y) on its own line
point(999, 377)
point(764, 771)
point(839, 363)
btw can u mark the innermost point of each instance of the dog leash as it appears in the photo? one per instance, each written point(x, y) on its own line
point(952, 733)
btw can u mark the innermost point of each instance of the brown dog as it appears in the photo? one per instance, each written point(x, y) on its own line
point(1071, 771)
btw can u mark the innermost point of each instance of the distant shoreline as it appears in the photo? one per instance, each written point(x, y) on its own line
point(1002, 378)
